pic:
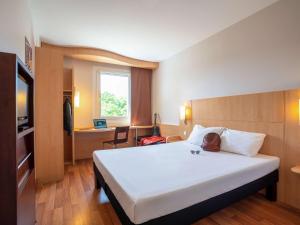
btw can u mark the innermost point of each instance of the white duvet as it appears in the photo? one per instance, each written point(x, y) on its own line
point(153, 181)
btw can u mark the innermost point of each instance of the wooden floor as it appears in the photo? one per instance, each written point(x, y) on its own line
point(74, 201)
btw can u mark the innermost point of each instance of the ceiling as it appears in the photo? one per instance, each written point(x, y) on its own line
point(151, 30)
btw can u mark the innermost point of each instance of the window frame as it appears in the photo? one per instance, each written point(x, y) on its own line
point(113, 72)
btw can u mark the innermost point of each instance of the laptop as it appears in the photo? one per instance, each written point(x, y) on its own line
point(100, 123)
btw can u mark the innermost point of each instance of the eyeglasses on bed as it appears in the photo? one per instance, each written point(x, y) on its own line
point(197, 152)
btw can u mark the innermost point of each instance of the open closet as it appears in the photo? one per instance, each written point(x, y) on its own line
point(68, 115)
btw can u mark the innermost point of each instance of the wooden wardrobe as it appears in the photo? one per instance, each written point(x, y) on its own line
point(17, 167)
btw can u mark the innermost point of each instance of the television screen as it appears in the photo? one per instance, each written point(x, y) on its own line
point(22, 101)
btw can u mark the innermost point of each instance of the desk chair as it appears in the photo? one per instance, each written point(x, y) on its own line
point(121, 136)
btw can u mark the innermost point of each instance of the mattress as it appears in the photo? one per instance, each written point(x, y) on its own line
point(153, 181)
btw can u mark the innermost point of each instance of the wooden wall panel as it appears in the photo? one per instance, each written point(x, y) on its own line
point(68, 79)
point(264, 107)
point(292, 148)
point(49, 115)
point(170, 130)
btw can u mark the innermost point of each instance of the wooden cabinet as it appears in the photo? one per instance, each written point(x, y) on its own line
point(17, 169)
point(49, 115)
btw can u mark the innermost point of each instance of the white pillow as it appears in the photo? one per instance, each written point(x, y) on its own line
point(198, 133)
point(241, 142)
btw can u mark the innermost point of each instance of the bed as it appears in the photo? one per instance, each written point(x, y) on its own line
point(167, 184)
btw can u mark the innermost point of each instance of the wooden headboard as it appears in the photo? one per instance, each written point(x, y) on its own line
point(262, 113)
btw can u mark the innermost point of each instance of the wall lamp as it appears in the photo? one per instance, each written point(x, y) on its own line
point(185, 113)
point(77, 99)
point(299, 112)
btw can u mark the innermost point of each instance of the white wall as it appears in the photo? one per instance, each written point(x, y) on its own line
point(260, 53)
point(15, 24)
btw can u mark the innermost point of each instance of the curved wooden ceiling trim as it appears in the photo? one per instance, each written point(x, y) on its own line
point(100, 55)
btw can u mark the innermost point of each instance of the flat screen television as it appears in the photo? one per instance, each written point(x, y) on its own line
point(22, 102)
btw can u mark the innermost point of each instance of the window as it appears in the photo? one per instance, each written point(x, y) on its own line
point(114, 95)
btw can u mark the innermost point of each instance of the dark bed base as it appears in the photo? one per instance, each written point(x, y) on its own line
point(194, 213)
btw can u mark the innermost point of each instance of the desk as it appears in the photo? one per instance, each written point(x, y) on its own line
point(101, 130)
point(87, 140)
point(93, 130)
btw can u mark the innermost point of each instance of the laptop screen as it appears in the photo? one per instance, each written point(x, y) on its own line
point(100, 123)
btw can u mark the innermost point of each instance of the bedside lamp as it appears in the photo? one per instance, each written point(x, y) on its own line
point(185, 113)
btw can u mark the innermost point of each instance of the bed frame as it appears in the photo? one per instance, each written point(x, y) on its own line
point(196, 212)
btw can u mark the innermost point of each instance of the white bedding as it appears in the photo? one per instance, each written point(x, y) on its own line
point(153, 181)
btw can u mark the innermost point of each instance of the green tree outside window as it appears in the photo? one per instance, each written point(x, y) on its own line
point(112, 105)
